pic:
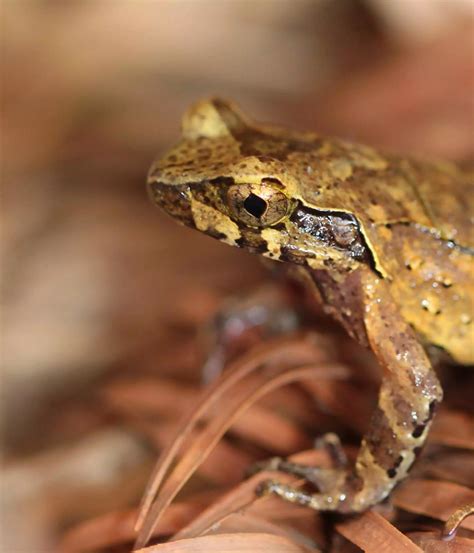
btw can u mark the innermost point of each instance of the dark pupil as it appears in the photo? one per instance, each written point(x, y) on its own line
point(254, 205)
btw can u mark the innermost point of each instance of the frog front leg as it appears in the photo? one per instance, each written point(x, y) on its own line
point(269, 310)
point(407, 398)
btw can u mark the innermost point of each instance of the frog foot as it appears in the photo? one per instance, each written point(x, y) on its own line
point(329, 500)
point(271, 464)
point(322, 478)
point(332, 444)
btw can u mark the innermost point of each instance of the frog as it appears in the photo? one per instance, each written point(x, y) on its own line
point(385, 243)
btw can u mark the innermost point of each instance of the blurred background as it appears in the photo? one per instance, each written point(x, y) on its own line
point(97, 283)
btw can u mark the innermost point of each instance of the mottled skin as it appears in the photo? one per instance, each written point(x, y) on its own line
point(387, 242)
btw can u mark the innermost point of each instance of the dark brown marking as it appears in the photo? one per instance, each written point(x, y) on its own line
point(174, 200)
point(222, 181)
point(274, 182)
point(334, 229)
point(212, 192)
point(420, 428)
point(230, 117)
point(354, 484)
point(383, 443)
point(418, 431)
point(216, 234)
point(292, 255)
point(392, 472)
point(251, 240)
point(254, 142)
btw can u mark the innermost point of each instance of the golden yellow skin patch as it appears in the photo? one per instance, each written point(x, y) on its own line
point(207, 218)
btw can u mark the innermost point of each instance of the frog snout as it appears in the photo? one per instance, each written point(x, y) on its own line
point(173, 199)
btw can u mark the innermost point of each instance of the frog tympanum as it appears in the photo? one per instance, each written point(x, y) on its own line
point(385, 240)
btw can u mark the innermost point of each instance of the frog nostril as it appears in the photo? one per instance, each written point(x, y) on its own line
point(255, 205)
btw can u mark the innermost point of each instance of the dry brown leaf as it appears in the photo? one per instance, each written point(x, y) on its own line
point(272, 358)
point(302, 350)
point(434, 498)
point(225, 466)
point(431, 542)
point(454, 429)
point(149, 396)
point(207, 439)
point(271, 430)
point(244, 522)
point(157, 396)
point(337, 396)
point(294, 401)
point(118, 527)
point(243, 496)
point(374, 534)
point(166, 398)
point(170, 399)
point(229, 543)
point(450, 464)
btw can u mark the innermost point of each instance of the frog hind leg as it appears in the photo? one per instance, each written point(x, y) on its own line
point(407, 399)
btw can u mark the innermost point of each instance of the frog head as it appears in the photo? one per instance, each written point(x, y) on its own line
point(241, 182)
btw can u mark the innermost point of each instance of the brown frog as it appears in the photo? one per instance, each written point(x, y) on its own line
point(386, 242)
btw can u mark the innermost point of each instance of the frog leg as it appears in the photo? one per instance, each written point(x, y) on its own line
point(332, 444)
point(407, 398)
point(320, 477)
point(267, 311)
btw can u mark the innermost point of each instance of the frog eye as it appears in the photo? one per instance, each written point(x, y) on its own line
point(257, 205)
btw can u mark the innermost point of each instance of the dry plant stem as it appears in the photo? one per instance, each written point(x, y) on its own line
point(302, 351)
point(455, 520)
point(207, 438)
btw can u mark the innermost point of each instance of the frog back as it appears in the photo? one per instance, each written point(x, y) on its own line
point(416, 218)
point(381, 190)
point(432, 267)
point(446, 193)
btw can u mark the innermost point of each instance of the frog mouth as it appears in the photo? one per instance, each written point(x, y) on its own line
point(173, 199)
